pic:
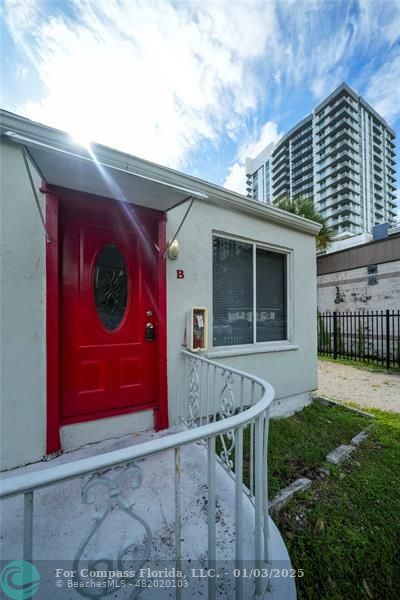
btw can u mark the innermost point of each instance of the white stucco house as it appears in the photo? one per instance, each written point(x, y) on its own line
point(97, 308)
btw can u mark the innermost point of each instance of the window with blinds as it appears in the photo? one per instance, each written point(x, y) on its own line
point(249, 293)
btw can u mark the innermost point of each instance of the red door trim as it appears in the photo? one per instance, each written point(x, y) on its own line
point(161, 413)
point(53, 283)
point(52, 324)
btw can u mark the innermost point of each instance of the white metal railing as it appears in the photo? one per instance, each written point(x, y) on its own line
point(212, 394)
point(225, 408)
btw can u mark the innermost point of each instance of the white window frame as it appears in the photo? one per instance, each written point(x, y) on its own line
point(255, 347)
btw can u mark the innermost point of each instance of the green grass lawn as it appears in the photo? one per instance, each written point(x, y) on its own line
point(345, 530)
point(298, 445)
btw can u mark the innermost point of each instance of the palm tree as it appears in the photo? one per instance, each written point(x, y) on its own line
point(304, 207)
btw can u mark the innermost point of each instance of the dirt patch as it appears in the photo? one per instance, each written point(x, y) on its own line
point(301, 469)
point(349, 384)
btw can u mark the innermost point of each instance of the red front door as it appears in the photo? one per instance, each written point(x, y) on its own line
point(109, 309)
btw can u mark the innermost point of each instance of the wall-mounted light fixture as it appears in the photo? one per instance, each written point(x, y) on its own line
point(174, 249)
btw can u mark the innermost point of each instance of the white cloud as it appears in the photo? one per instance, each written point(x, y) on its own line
point(363, 27)
point(383, 90)
point(322, 85)
point(236, 178)
point(381, 20)
point(154, 78)
point(158, 79)
point(268, 135)
point(21, 72)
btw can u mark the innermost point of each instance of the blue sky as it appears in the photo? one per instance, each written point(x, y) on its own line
point(194, 85)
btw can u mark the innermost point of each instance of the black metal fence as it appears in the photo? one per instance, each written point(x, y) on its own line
point(368, 336)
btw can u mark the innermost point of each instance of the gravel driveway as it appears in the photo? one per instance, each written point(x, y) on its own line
point(345, 383)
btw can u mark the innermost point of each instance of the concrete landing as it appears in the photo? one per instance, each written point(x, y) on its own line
point(62, 523)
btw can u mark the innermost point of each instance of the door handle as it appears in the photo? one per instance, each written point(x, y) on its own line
point(150, 332)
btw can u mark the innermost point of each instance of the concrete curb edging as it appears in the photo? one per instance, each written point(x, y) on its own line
point(339, 454)
point(359, 438)
point(286, 494)
point(336, 457)
point(329, 402)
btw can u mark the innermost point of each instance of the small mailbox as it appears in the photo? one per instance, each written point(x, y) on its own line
point(197, 329)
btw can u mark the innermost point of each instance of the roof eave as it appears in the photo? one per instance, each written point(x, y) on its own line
point(218, 194)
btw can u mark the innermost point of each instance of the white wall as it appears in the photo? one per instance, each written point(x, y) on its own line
point(23, 379)
point(23, 347)
point(292, 372)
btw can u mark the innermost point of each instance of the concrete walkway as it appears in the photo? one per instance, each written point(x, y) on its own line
point(63, 522)
point(351, 384)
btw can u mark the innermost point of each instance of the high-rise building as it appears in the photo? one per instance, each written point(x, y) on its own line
point(259, 182)
point(343, 156)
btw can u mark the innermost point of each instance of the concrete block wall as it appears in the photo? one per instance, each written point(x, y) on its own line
point(349, 290)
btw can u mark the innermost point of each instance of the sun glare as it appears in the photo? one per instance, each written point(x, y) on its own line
point(81, 137)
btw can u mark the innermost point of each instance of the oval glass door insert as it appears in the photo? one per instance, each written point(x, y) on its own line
point(110, 287)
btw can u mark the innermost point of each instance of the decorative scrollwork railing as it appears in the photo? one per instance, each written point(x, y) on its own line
point(114, 500)
point(221, 406)
point(216, 392)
